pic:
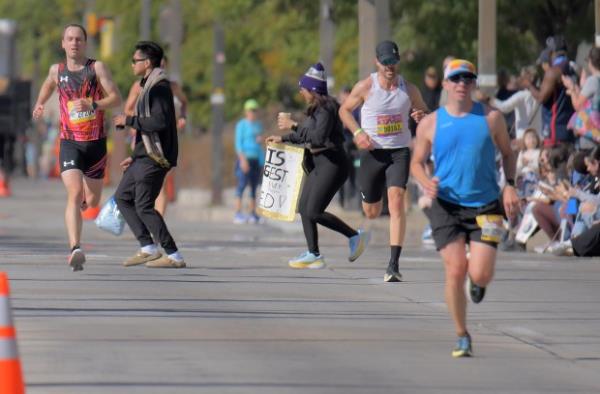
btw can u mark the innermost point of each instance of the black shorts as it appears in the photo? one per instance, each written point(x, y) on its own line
point(379, 167)
point(87, 156)
point(450, 221)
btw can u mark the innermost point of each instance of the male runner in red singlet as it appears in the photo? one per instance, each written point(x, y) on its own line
point(85, 90)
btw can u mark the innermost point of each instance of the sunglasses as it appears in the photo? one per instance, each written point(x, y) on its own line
point(390, 62)
point(466, 78)
point(134, 60)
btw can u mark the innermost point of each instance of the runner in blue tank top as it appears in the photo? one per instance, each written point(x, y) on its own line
point(463, 137)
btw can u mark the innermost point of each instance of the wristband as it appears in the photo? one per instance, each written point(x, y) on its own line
point(357, 131)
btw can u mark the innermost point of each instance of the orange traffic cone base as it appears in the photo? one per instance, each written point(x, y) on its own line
point(11, 376)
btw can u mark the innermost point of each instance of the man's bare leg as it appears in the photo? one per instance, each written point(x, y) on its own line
point(73, 181)
point(456, 267)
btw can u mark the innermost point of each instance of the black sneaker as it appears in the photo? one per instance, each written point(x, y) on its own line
point(392, 274)
point(475, 292)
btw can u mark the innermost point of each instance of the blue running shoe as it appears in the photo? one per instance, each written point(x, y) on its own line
point(463, 347)
point(427, 236)
point(358, 244)
point(253, 218)
point(239, 218)
point(307, 260)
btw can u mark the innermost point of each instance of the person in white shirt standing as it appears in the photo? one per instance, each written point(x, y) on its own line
point(526, 108)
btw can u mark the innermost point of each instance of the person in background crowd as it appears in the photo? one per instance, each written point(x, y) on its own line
point(525, 106)
point(444, 93)
point(552, 94)
point(548, 212)
point(586, 99)
point(248, 167)
point(432, 88)
point(528, 164)
point(504, 93)
point(348, 192)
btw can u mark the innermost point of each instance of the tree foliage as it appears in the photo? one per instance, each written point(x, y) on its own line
point(270, 43)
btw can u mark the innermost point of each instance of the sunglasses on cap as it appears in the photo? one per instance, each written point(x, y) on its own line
point(466, 78)
point(389, 62)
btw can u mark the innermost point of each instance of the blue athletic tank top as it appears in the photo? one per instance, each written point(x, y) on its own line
point(464, 158)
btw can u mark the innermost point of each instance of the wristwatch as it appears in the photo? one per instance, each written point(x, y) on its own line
point(510, 182)
point(94, 105)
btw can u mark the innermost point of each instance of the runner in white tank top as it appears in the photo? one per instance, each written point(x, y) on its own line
point(384, 138)
point(384, 115)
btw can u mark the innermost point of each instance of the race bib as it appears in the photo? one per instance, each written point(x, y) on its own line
point(77, 117)
point(492, 227)
point(389, 125)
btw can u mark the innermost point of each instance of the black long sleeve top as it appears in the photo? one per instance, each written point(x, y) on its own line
point(322, 129)
point(161, 121)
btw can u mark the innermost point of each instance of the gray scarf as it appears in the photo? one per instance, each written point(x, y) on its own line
point(151, 140)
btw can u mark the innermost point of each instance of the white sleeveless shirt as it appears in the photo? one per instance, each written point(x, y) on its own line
point(384, 115)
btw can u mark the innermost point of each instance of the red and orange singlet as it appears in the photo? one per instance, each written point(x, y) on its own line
point(74, 85)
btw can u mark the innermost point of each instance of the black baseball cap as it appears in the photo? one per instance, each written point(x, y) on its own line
point(387, 53)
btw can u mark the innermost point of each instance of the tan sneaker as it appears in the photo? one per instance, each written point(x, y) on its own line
point(165, 262)
point(141, 258)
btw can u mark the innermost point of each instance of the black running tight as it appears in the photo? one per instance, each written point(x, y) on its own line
point(328, 175)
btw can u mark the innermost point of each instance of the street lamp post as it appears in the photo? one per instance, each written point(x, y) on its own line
point(486, 48)
point(217, 100)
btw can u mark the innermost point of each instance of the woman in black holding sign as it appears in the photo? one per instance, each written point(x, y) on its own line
point(325, 164)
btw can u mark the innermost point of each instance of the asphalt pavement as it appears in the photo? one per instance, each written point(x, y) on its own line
point(238, 320)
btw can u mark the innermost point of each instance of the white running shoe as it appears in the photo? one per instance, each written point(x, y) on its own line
point(76, 260)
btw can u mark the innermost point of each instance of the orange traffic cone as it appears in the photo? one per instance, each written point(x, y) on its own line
point(170, 187)
point(89, 214)
point(11, 377)
point(4, 189)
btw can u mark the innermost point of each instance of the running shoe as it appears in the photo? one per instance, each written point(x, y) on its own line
point(141, 258)
point(76, 260)
point(253, 218)
point(463, 347)
point(239, 218)
point(358, 244)
point(563, 249)
point(392, 274)
point(546, 248)
point(165, 262)
point(476, 293)
point(307, 260)
point(427, 236)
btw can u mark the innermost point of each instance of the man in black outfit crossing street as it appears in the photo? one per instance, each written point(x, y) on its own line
point(154, 154)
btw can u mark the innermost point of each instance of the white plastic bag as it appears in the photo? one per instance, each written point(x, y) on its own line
point(528, 225)
point(110, 218)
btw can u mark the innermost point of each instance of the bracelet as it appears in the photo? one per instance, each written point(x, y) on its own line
point(358, 131)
